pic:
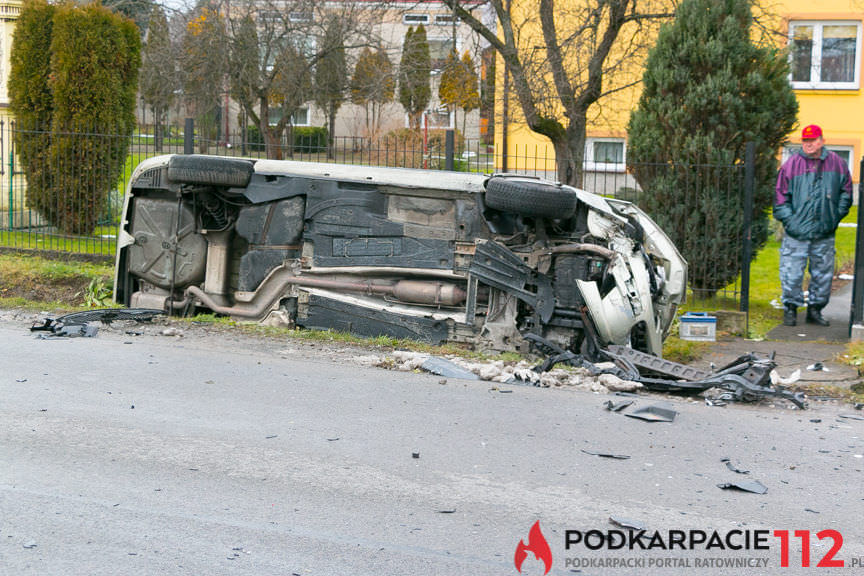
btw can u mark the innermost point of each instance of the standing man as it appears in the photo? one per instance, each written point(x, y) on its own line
point(814, 192)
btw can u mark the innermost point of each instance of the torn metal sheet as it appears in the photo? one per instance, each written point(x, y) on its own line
point(749, 378)
point(73, 331)
point(732, 467)
point(446, 368)
point(753, 486)
point(628, 523)
point(77, 324)
point(654, 413)
point(617, 406)
point(607, 455)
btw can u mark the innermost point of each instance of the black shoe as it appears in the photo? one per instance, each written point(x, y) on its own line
point(789, 315)
point(814, 316)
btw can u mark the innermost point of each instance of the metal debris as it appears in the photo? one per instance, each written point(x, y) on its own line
point(628, 523)
point(748, 378)
point(617, 406)
point(662, 412)
point(753, 486)
point(731, 467)
point(607, 455)
point(29, 544)
point(446, 368)
point(77, 324)
point(851, 416)
point(60, 331)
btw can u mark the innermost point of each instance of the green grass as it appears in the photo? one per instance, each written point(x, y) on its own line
point(765, 280)
point(38, 240)
point(37, 283)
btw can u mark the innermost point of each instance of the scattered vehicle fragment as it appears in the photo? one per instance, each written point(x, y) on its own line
point(732, 467)
point(78, 323)
point(607, 455)
point(432, 256)
point(446, 368)
point(753, 486)
point(617, 406)
point(662, 412)
point(747, 378)
point(628, 523)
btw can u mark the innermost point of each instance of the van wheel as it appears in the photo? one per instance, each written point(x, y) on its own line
point(210, 170)
point(530, 198)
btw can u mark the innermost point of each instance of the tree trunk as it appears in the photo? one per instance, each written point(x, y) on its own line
point(570, 155)
point(331, 127)
point(271, 141)
point(157, 130)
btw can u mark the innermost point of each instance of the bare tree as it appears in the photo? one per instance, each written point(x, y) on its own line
point(275, 46)
point(564, 58)
point(205, 65)
point(158, 80)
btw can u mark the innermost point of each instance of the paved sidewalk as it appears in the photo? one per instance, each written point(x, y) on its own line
point(837, 312)
point(797, 347)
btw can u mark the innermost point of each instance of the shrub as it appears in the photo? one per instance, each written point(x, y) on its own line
point(308, 139)
point(707, 92)
point(74, 143)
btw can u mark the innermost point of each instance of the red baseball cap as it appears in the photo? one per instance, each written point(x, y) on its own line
point(811, 132)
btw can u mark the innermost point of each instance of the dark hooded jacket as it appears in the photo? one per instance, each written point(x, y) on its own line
point(813, 195)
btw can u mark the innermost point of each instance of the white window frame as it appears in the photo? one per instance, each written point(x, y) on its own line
point(414, 19)
point(790, 149)
point(308, 116)
point(816, 56)
point(291, 120)
point(592, 166)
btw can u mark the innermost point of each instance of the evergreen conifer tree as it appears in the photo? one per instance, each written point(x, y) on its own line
point(708, 90)
point(330, 77)
point(81, 92)
point(414, 70)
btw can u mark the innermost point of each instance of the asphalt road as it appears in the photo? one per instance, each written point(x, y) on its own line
point(207, 455)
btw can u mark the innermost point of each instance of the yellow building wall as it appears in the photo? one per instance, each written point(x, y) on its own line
point(840, 113)
point(529, 151)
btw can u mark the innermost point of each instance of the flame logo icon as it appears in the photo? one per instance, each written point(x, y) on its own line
point(536, 544)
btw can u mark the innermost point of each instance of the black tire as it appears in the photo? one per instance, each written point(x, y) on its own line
point(530, 198)
point(210, 170)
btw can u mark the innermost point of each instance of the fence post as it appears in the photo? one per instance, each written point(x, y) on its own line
point(11, 187)
point(747, 249)
point(449, 150)
point(856, 314)
point(189, 136)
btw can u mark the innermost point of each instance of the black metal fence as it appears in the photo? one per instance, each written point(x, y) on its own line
point(699, 189)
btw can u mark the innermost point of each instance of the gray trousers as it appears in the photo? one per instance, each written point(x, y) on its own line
point(794, 255)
